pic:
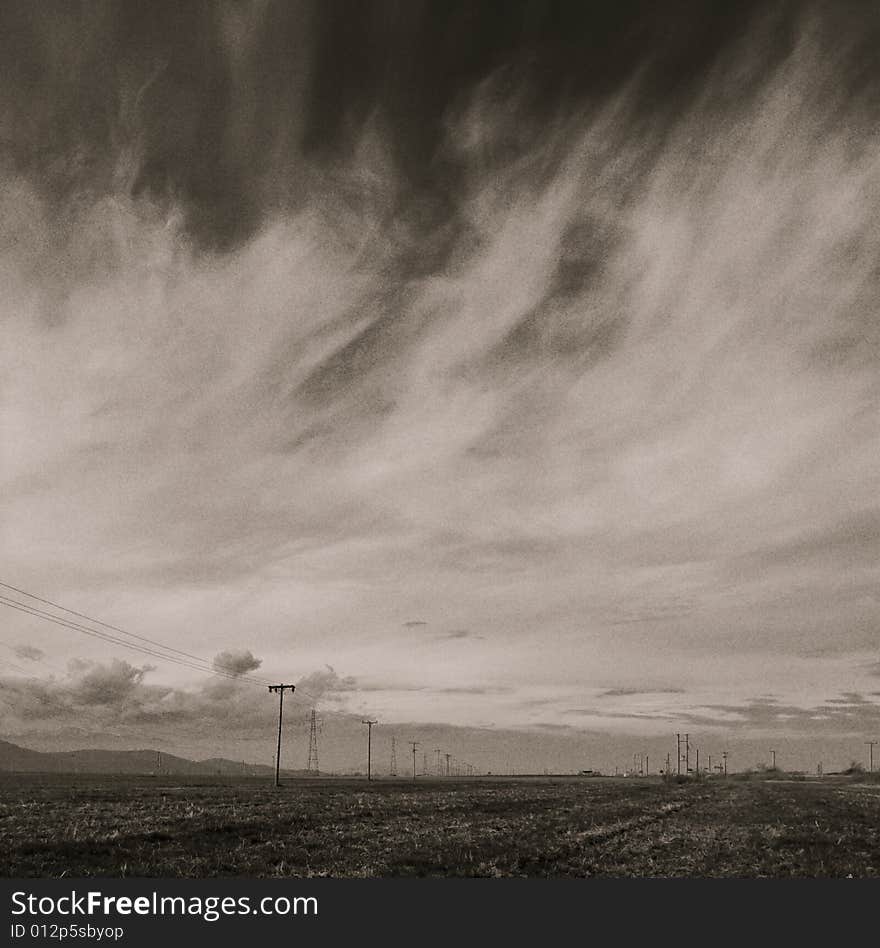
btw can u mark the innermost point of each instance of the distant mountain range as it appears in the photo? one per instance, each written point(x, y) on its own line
point(95, 761)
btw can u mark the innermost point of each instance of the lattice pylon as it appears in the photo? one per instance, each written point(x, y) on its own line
point(312, 767)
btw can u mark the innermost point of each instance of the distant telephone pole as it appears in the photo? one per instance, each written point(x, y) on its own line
point(439, 768)
point(447, 764)
point(414, 745)
point(870, 746)
point(724, 758)
point(773, 756)
point(369, 745)
point(393, 757)
point(280, 689)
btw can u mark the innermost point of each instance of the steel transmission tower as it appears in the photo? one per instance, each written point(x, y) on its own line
point(312, 766)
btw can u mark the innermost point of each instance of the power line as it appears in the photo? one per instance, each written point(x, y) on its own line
point(106, 625)
point(205, 667)
point(180, 657)
point(40, 660)
point(16, 666)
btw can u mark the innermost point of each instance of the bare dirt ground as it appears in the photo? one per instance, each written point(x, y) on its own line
point(77, 826)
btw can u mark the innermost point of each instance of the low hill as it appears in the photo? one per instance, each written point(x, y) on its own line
point(97, 761)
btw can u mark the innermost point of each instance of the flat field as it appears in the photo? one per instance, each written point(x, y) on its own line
point(82, 825)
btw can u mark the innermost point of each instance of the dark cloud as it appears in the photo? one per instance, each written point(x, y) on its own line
point(458, 634)
point(474, 690)
point(850, 699)
point(849, 714)
point(108, 685)
point(117, 693)
point(849, 543)
point(326, 683)
point(236, 662)
point(106, 98)
point(624, 692)
point(621, 715)
point(29, 652)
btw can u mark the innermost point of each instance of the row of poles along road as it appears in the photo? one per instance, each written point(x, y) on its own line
point(453, 767)
point(148, 646)
point(641, 763)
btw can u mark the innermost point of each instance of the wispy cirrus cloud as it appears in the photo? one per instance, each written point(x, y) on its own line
point(618, 412)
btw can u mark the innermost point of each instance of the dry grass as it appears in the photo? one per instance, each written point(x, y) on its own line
point(84, 826)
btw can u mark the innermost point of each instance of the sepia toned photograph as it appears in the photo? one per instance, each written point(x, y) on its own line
point(439, 438)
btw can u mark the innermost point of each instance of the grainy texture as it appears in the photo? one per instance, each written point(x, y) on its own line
point(553, 827)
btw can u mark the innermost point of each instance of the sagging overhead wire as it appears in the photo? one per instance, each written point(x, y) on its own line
point(151, 647)
point(201, 665)
point(114, 628)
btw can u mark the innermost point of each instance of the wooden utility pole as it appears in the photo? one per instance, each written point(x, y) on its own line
point(724, 757)
point(414, 745)
point(369, 746)
point(280, 689)
point(870, 746)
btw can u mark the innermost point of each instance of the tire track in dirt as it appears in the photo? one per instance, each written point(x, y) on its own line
point(585, 848)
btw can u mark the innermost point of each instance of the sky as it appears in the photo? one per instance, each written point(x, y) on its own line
point(509, 375)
